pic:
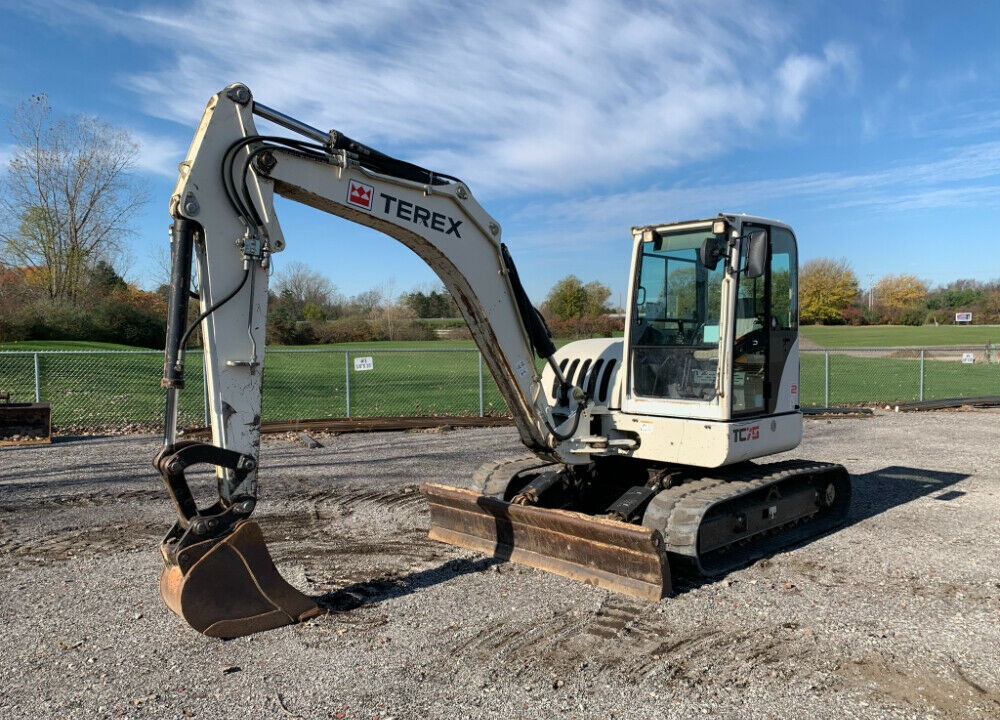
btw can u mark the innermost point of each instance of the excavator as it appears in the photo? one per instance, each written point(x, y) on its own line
point(641, 448)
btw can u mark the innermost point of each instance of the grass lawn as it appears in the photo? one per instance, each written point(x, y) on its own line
point(869, 380)
point(839, 336)
point(88, 388)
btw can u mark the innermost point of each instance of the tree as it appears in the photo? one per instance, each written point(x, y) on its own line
point(304, 294)
point(570, 298)
point(895, 294)
point(435, 304)
point(103, 280)
point(826, 289)
point(68, 196)
point(957, 295)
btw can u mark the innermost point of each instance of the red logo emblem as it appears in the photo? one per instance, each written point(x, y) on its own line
point(360, 195)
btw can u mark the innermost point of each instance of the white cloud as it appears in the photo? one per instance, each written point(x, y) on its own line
point(950, 181)
point(158, 155)
point(546, 94)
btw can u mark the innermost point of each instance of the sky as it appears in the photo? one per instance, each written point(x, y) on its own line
point(871, 127)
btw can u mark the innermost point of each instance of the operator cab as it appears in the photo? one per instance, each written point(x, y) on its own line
point(713, 320)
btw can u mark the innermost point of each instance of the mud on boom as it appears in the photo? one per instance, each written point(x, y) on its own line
point(640, 447)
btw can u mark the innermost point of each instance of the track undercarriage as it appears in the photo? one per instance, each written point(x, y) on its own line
point(624, 525)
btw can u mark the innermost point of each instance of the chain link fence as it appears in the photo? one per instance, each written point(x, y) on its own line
point(122, 388)
point(98, 389)
point(871, 376)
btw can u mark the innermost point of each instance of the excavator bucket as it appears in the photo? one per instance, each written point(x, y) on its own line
point(229, 587)
point(625, 558)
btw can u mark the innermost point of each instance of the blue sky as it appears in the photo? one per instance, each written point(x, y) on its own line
point(873, 128)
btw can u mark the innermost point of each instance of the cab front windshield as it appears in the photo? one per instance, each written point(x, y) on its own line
point(675, 338)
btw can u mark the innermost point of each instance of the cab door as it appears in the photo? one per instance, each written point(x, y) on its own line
point(766, 327)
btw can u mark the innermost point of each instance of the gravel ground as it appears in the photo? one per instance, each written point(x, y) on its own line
point(895, 615)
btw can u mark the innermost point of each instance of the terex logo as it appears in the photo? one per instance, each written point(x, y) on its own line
point(360, 194)
point(418, 215)
point(744, 434)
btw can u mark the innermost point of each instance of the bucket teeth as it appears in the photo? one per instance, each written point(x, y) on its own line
point(229, 587)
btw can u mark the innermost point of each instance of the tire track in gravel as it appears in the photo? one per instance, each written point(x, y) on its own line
point(623, 635)
point(83, 500)
point(37, 527)
point(66, 543)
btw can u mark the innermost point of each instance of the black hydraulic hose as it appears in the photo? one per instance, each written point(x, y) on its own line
point(541, 340)
point(538, 331)
point(240, 198)
point(216, 306)
point(572, 431)
point(380, 162)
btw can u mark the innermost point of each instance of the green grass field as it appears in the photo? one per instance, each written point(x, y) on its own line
point(87, 388)
point(840, 336)
point(870, 380)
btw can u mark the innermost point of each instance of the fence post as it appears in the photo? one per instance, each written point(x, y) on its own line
point(347, 380)
point(921, 373)
point(38, 380)
point(826, 379)
point(481, 405)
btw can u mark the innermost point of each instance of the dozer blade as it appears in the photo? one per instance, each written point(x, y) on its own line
point(229, 587)
point(614, 555)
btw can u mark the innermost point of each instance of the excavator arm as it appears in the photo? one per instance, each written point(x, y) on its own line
point(224, 199)
point(218, 574)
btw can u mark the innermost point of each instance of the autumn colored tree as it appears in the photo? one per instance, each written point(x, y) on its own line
point(895, 294)
point(826, 289)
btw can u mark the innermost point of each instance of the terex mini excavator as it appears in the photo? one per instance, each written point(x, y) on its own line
point(641, 447)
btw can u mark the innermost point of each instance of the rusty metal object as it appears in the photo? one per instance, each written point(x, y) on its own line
point(218, 574)
point(625, 558)
point(24, 423)
point(229, 587)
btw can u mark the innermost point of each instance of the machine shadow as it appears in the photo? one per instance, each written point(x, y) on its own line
point(872, 494)
point(377, 590)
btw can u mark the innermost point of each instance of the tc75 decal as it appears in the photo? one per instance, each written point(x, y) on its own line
point(743, 434)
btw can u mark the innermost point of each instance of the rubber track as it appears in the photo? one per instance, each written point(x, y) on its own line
point(686, 505)
point(492, 478)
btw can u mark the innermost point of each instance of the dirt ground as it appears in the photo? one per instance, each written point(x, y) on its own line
point(894, 615)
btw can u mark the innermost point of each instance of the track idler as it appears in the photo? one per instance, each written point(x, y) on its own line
point(218, 574)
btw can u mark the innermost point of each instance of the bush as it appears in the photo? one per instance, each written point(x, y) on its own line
point(348, 329)
point(913, 315)
point(412, 330)
point(585, 327)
